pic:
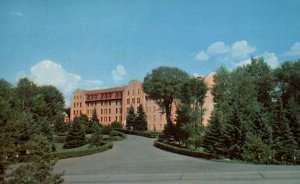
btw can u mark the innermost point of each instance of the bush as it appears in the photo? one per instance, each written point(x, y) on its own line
point(183, 151)
point(255, 150)
point(78, 153)
point(116, 125)
point(132, 132)
point(106, 129)
point(59, 139)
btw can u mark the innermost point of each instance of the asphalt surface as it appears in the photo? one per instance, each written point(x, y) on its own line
point(135, 160)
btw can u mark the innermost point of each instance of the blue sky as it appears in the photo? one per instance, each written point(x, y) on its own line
point(96, 44)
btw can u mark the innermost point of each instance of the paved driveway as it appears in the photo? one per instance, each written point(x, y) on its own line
point(135, 160)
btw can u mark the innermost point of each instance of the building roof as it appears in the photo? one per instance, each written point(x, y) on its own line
point(107, 90)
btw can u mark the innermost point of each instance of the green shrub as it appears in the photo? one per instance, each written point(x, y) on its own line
point(116, 125)
point(106, 129)
point(255, 150)
point(82, 152)
point(183, 151)
point(132, 132)
point(59, 139)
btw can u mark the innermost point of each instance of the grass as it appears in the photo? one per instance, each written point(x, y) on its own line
point(59, 147)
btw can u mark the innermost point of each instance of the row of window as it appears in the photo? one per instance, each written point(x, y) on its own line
point(133, 92)
point(78, 97)
point(138, 101)
point(110, 119)
point(105, 111)
point(103, 103)
point(154, 119)
point(104, 95)
point(78, 104)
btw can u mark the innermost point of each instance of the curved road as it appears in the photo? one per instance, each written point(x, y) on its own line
point(135, 160)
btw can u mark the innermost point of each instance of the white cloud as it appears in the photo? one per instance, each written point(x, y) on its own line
point(241, 49)
point(294, 50)
point(218, 48)
point(48, 72)
point(118, 73)
point(269, 57)
point(17, 13)
point(202, 56)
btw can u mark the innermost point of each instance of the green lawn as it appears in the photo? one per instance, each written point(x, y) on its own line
point(59, 148)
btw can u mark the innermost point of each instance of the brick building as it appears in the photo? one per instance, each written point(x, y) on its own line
point(112, 104)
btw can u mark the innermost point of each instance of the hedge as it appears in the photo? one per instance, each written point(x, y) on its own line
point(132, 132)
point(79, 153)
point(59, 139)
point(183, 151)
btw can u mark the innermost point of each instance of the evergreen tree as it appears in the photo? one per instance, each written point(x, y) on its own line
point(234, 135)
point(183, 117)
point(212, 140)
point(96, 138)
point(255, 150)
point(130, 118)
point(76, 135)
point(94, 116)
point(141, 119)
point(283, 140)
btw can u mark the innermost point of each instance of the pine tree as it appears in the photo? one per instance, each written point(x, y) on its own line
point(96, 138)
point(141, 119)
point(212, 140)
point(94, 116)
point(130, 118)
point(234, 135)
point(283, 140)
point(183, 118)
point(76, 135)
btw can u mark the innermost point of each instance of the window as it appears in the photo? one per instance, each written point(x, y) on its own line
point(120, 110)
point(133, 101)
point(120, 118)
point(138, 100)
point(128, 92)
point(108, 119)
point(116, 102)
point(101, 111)
point(116, 110)
point(128, 101)
point(116, 118)
point(101, 119)
point(109, 111)
point(109, 103)
point(133, 92)
point(80, 104)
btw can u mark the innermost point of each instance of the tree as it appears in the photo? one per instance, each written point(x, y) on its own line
point(96, 138)
point(183, 117)
point(213, 137)
point(130, 118)
point(40, 164)
point(255, 150)
point(163, 86)
point(94, 116)
point(283, 140)
point(76, 135)
point(141, 119)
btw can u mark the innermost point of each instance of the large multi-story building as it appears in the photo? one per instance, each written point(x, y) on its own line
point(112, 104)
